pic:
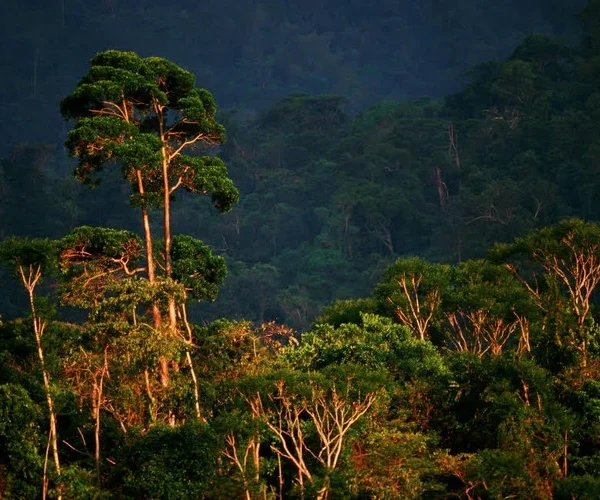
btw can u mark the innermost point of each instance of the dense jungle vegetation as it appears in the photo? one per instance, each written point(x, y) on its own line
point(396, 302)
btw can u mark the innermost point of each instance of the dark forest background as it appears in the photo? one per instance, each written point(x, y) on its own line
point(357, 132)
point(251, 54)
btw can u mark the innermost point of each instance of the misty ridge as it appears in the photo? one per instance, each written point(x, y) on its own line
point(251, 54)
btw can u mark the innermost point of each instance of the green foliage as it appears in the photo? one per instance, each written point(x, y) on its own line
point(21, 463)
point(501, 473)
point(430, 278)
point(100, 242)
point(232, 349)
point(318, 415)
point(208, 174)
point(127, 298)
point(197, 268)
point(306, 114)
point(487, 309)
point(28, 253)
point(92, 260)
point(128, 108)
point(394, 460)
point(562, 240)
point(18, 347)
point(78, 482)
point(493, 403)
point(346, 311)
point(482, 284)
point(376, 344)
point(567, 255)
point(585, 487)
point(168, 462)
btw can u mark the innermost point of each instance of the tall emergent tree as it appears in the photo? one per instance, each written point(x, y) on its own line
point(147, 115)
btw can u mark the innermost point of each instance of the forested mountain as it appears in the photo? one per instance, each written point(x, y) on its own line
point(252, 54)
point(405, 273)
point(328, 197)
point(328, 194)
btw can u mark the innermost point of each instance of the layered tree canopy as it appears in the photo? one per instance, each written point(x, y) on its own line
point(469, 368)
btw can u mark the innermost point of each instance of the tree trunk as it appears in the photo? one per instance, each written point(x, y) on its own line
point(167, 219)
point(29, 282)
point(163, 364)
point(99, 389)
point(167, 212)
point(156, 317)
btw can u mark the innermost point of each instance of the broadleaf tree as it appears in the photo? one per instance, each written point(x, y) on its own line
point(148, 115)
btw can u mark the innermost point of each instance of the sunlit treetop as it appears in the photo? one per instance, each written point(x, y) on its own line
point(132, 88)
point(147, 113)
